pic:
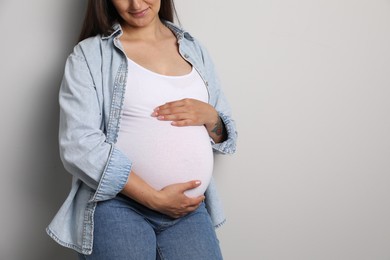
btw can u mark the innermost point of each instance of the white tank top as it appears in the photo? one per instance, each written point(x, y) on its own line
point(163, 154)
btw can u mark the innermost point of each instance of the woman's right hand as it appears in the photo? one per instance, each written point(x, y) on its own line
point(172, 201)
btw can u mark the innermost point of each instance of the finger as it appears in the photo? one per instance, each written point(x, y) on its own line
point(189, 185)
point(192, 208)
point(173, 117)
point(196, 201)
point(186, 122)
point(177, 103)
point(171, 111)
point(193, 204)
point(201, 198)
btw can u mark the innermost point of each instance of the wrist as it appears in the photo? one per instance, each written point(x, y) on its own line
point(138, 190)
point(214, 119)
point(154, 200)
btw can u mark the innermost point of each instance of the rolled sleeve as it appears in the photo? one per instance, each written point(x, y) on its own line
point(114, 177)
point(229, 145)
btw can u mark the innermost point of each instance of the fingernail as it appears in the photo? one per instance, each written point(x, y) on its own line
point(160, 117)
point(154, 114)
point(197, 182)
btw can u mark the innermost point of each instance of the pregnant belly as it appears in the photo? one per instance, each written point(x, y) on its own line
point(163, 154)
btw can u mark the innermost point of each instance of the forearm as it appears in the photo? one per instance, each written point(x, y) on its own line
point(217, 130)
point(137, 189)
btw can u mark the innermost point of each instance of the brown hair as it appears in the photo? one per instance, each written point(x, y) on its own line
point(101, 15)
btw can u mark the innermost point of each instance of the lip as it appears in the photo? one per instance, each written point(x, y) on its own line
point(139, 14)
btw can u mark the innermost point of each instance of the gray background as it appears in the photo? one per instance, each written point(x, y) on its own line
point(309, 83)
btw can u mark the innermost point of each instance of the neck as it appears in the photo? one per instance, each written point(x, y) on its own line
point(152, 31)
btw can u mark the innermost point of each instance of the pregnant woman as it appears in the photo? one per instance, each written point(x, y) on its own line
point(141, 112)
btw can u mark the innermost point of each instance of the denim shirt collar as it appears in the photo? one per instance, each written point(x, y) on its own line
point(179, 32)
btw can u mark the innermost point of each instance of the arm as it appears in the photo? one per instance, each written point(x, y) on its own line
point(83, 147)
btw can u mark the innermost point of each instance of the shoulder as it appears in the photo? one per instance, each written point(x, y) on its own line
point(90, 42)
point(87, 48)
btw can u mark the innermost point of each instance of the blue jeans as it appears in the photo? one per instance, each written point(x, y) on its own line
point(127, 230)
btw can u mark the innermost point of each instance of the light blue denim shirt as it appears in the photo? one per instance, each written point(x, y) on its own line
point(91, 98)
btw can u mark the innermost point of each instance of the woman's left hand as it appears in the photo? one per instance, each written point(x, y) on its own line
point(192, 112)
point(187, 112)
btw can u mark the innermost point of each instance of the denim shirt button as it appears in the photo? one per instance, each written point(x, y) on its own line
point(186, 56)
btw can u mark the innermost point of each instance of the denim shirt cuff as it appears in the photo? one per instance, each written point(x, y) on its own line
point(114, 176)
point(229, 145)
